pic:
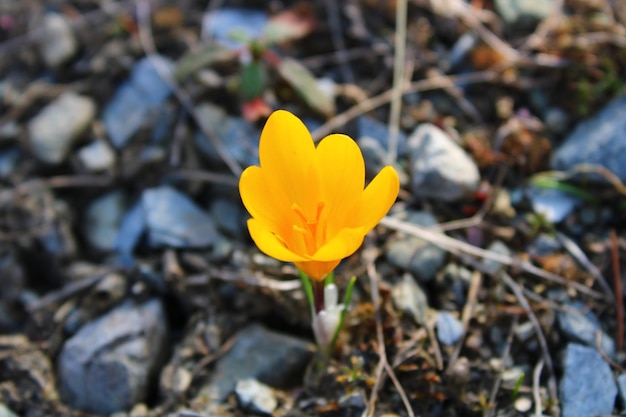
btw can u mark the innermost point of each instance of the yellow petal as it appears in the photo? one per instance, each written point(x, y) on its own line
point(342, 177)
point(258, 198)
point(286, 152)
point(342, 245)
point(378, 197)
point(317, 270)
point(268, 243)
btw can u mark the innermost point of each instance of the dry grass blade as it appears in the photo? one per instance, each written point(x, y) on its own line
point(399, 60)
point(505, 355)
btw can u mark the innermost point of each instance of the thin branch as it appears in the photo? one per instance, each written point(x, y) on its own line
point(619, 296)
point(399, 62)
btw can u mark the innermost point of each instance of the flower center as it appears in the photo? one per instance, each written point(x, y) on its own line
point(312, 231)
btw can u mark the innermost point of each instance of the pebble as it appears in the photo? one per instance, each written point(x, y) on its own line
point(9, 159)
point(513, 11)
point(229, 217)
point(6, 412)
point(439, 168)
point(222, 24)
point(587, 387)
point(582, 328)
point(272, 358)
point(554, 205)
point(103, 218)
point(107, 365)
point(449, 328)
point(419, 257)
point(56, 128)
point(58, 43)
point(136, 99)
point(353, 403)
point(237, 137)
point(621, 385)
point(409, 298)
point(523, 404)
point(372, 128)
point(173, 219)
point(98, 156)
point(499, 248)
point(597, 140)
point(543, 245)
point(255, 396)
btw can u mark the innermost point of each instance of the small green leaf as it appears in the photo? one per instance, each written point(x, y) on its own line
point(308, 288)
point(306, 85)
point(542, 181)
point(253, 80)
point(203, 57)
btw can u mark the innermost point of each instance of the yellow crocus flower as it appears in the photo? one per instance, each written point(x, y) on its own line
point(309, 205)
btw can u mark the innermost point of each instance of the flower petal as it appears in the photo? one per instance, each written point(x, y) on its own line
point(378, 197)
point(342, 178)
point(258, 199)
point(286, 152)
point(342, 245)
point(268, 243)
point(317, 270)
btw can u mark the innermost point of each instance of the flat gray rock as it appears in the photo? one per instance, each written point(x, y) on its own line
point(598, 140)
point(56, 128)
point(103, 218)
point(587, 387)
point(107, 366)
point(58, 43)
point(449, 328)
point(439, 168)
point(582, 328)
point(272, 358)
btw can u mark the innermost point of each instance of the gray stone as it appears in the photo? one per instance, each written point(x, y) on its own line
point(500, 248)
point(172, 219)
point(598, 140)
point(97, 156)
point(229, 217)
point(136, 99)
point(107, 366)
point(449, 328)
point(255, 396)
point(374, 155)
point(554, 205)
point(353, 403)
point(621, 385)
point(372, 128)
point(9, 159)
point(103, 218)
point(409, 298)
point(233, 27)
point(273, 358)
point(514, 10)
point(587, 387)
point(236, 136)
point(56, 128)
point(419, 257)
point(6, 412)
point(543, 245)
point(58, 43)
point(439, 168)
point(582, 328)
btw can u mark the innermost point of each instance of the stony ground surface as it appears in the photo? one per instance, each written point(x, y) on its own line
point(128, 282)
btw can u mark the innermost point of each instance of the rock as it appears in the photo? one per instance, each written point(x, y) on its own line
point(598, 140)
point(582, 328)
point(229, 217)
point(255, 396)
point(372, 128)
point(449, 328)
point(439, 168)
point(9, 159)
point(419, 257)
point(131, 230)
point(544, 245)
point(587, 387)
point(103, 218)
point(56, 128)
point(353, 403)
point(237, 137)
point(621, 385)
point(136, 99)
point(172, 219)
point(97, 156)
point(523, 404)
point(222, 24)
point(58, 43)
point(514, 10)
point(273, 358)
point(108, 365)
point(374, 155)
point(6, 412)
point(554, 205)
point(409, 298)
point(499, 248)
